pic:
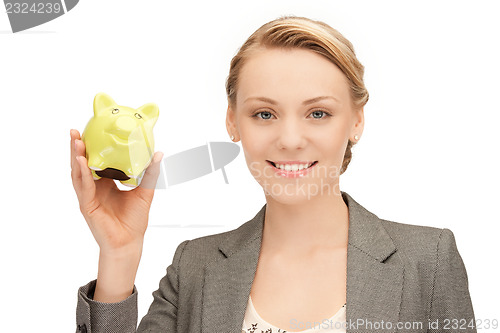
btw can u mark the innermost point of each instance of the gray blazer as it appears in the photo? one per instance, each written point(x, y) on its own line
point(397, 274)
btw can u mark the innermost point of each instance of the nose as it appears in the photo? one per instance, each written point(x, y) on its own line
point(291, 135)
point(125, 123)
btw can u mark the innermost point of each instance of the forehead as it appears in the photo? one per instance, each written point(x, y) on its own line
point(124, 108)
point(291, 72)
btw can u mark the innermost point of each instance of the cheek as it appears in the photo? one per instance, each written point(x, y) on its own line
point(253, 140)
point(333, 142)
point(252, 149)
point(255, 156)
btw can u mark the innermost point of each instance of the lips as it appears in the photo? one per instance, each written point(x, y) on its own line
point(292, 162)
point(292, 173)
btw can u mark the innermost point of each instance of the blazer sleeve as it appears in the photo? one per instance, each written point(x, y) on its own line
point(451, 305)
point(121, 317)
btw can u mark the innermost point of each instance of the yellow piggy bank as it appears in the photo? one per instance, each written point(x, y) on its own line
point(119, 140)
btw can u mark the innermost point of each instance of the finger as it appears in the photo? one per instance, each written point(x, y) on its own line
point(105, 186)
point(148, 182)
point(79, 150)
point(74, 134)
point(76, 178)
point(87, 189)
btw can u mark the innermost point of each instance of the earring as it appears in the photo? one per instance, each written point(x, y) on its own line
point(356, 137)
point(232, 137)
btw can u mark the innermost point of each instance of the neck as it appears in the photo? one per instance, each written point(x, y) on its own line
point(321, 223)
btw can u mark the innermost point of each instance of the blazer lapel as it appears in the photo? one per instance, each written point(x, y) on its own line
point(374, 283)
point(228, 281)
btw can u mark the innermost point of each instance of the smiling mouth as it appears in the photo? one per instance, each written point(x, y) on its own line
point(274, 164)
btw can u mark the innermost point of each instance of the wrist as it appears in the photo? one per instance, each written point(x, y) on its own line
point(116, 275)
point(126, 252)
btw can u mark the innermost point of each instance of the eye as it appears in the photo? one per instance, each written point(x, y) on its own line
point(319, 113)
point(115, 111)
point(266, 113)
point(138, 116)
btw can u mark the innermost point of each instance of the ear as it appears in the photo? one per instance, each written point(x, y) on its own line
point(231, 123)
point(358, 122)
point(151, 111)
point(101, 102)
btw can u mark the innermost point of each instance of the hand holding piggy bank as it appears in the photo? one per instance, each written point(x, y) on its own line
point(119, 140)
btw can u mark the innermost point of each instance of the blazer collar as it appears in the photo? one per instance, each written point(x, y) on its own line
point(374, 286)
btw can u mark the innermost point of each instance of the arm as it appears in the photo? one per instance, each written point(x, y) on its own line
point(121, 317)
point(162, 313)
point(451, 305)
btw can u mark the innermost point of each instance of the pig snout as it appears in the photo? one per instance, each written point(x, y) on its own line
point(123, 127)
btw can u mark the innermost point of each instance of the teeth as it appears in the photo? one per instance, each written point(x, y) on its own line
point(293, 167)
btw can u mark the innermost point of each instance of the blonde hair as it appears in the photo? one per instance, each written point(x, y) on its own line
point(300, 32)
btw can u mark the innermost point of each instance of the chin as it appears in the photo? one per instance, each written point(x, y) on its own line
point(298, 192)
point(290, 197)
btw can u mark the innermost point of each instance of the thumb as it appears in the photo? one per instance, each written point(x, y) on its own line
point(152, 172)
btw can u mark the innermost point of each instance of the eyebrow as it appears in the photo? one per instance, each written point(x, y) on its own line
point(306, 102)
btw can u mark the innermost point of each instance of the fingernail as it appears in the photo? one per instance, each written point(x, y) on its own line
point(158, 157)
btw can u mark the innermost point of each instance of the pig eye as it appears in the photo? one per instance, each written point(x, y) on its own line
point(114, 111)
point(138, 116)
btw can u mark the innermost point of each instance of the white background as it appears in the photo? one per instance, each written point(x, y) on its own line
point(428, 155)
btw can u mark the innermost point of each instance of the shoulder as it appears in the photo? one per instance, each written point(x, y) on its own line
point(206, 248)
point(432, 263)
point(412, 236)
point(421, 244)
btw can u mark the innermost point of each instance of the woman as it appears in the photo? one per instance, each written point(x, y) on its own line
point(312, 257)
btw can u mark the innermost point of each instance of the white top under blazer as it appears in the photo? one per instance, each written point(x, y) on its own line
point(253, 323)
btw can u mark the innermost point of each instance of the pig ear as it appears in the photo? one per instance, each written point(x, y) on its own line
point(102, 101)
point(150, 110)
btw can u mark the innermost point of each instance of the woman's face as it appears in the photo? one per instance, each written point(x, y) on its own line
point(294, 107)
